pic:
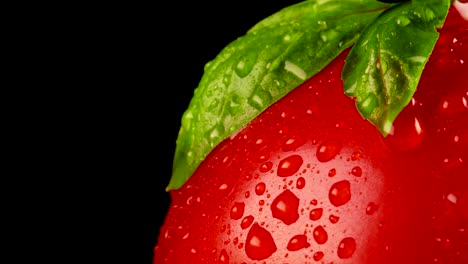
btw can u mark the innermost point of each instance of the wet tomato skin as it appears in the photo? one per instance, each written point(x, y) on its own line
point(309, 180)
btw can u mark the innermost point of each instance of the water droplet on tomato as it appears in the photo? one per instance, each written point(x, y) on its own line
point(332, 172)
point(285, 207)
point(320, 235)
point(293, 143)
point(356, 155)
point(346, 248)
point(315, 214)
point(297, 242)
point(318, 255)
point(223, 187)
point(266, 166)
point(223, 257)
point(189, 200)
point(247, 221)
point(371, 208)
point(328, 150)
point(260, 188)
point(300, 183)
point(289, 166)
point(314, 202)
point(333, 219)
point(247, 194)
point(340, 193)
point(237, 210)
point(407, 133)
point(259, 244)
point(356, 171)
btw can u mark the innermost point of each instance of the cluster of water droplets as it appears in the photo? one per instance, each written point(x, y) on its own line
point(292, 174)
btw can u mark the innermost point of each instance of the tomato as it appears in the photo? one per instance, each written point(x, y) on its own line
point(310, 181)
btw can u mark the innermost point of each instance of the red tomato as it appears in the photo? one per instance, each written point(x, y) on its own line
point(310, 181)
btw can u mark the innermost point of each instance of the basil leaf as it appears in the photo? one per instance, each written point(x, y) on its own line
point(257, 69)
point(383, 68)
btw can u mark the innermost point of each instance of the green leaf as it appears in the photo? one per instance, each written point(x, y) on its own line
point(383, 68)
point(257, 69)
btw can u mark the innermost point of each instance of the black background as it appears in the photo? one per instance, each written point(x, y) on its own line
point(171, 45)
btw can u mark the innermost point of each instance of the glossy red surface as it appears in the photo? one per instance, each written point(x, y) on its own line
point(310, 181)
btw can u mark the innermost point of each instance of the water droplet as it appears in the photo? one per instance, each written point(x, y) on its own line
point(356, 155)
point(300, 183)
point(320, 235)
point(289, 165)
point(318, 255)
point(346, 248)
point(285, 207)
point(407, 133)
point(328, 150)
point(333, 219)
point(246, 64)
point(315, 214)
point(260, 99)
point(297, 242)
point(293, 143)
point(340, 193)
point(371, 208)
point(452, 198)
point(260, 188)
point(223, 257)
point(247, 194)
point(259, 244)
point(189, 200)
point(327, 35)
point(266, 166)
point(237, 210)
point(314, 202)
point(367, 105)
point(332, 172)
point(356, 171)
point(247, 221)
